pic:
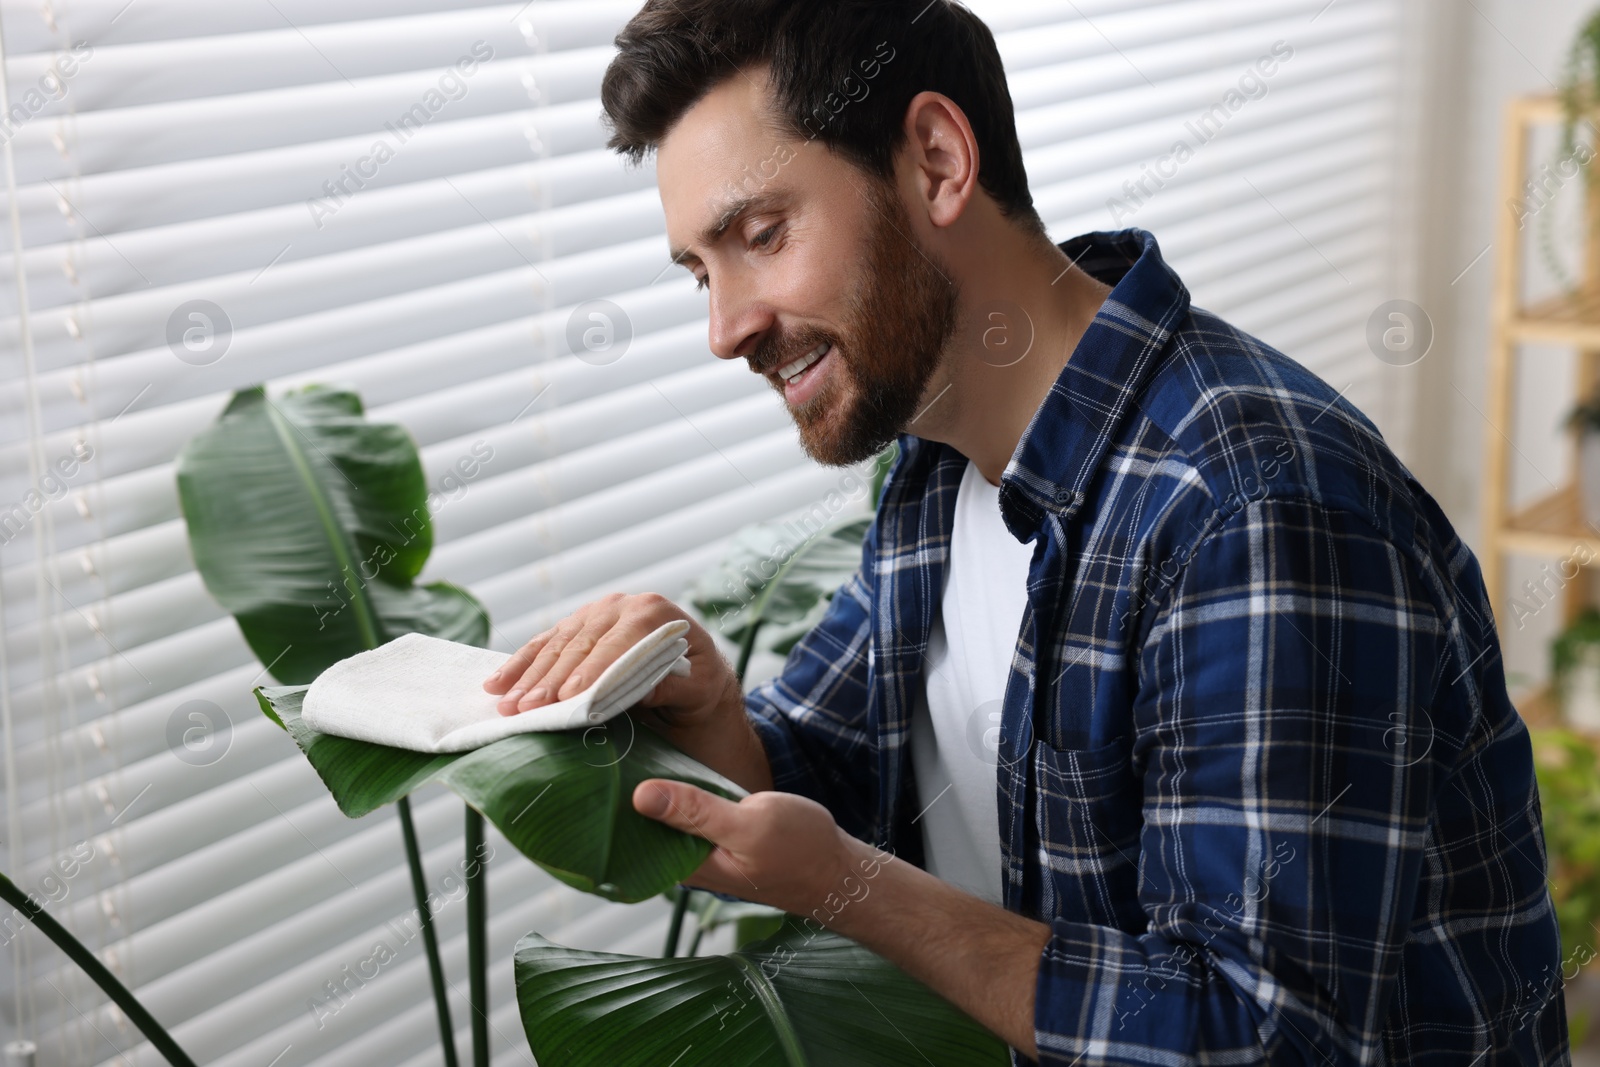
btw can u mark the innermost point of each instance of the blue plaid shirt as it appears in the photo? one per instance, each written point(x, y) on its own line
point(1258, 769)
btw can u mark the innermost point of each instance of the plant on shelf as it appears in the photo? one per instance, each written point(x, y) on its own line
point(1575, 672)
point(1584, 422)
point(1580, 78)
point(1569, 799)
point(1580, 100)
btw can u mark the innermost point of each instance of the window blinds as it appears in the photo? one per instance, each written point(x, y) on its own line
point(412, 198)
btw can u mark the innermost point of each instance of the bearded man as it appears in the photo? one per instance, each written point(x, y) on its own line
point(1174, 695)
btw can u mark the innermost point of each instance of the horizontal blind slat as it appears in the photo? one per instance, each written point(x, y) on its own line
point(440, 290)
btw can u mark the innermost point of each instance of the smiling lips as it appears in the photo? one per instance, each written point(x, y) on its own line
point(790, 371)
point(802, 378)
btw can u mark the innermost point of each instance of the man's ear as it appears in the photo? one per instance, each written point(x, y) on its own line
point(943, 155)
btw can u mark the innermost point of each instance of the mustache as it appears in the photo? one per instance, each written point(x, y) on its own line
point(775, 352)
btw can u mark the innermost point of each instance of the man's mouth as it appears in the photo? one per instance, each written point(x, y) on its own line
point(801, 377)
point(790, 371)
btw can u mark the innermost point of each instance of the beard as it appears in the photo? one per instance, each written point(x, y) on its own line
point(899, 322)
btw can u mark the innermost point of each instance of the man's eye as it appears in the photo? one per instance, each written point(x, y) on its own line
point(765, 237)
point(700, 284)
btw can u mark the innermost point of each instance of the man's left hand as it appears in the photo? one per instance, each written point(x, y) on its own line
point(785, 850)
point(771, 847)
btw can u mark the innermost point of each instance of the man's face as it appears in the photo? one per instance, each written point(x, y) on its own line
point(816, 257)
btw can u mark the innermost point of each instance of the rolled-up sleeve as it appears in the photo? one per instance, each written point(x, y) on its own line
point(1289, 765)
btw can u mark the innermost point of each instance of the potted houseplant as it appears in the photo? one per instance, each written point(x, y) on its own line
point(1575, 669)
point(1569, 799)
point(305, 519)
point(1584, 421)
point(309, 524)
point(1580, 99)
point(1579, 80)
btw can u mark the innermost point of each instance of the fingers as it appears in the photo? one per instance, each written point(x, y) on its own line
point(570, 656)
point(709, 682)
point(558, 658)
point(566, 659)
point(688, 808)
point(577, 669)
point(512, 669)
point(521, 672)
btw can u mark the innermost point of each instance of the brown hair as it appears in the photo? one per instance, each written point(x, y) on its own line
point(843, 73)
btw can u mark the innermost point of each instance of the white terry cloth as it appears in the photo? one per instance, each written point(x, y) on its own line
point(426, 694)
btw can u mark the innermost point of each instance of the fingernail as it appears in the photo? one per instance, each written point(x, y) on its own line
point(534, 697)
point(513, 695)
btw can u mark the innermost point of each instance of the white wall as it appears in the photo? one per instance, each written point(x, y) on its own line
point(1472, 57)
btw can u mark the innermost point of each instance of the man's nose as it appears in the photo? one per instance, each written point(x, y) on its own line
point(739, 319)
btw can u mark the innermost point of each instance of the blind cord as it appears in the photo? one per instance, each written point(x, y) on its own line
point(22, 958)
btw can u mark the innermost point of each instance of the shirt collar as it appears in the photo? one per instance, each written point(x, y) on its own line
point(1086, 406)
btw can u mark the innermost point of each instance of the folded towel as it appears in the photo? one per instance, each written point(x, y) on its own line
point(426, 694)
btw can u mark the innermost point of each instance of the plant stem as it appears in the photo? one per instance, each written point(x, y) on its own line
point(747, 646)
point(477, 938)
point(708, 920)
point(90, 964)
point(675, 927)
point(430, 940)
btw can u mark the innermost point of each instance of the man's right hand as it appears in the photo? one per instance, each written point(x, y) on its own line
point(702, 713)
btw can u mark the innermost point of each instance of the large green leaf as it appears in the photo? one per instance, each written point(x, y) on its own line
point(772, 580)
point(565, 800)
point(773, 584)
point(309, 525)
point(800, 998)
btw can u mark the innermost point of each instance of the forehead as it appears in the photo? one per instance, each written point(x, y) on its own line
point(724, 147)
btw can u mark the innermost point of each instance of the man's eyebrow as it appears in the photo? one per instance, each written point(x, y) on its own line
point(731, 213)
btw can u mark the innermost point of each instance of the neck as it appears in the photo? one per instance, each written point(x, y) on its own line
point(1024, 308)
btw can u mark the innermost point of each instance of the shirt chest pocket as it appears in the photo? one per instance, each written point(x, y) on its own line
point(1087, 817)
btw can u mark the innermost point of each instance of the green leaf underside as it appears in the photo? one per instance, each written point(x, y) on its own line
point(800, 998)
point(792, 601)
point(309, 525)
point(565, 800)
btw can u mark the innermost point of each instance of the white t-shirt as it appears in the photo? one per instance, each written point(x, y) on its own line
point(955, 728)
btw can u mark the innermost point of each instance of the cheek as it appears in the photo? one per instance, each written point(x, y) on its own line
point(814, 279)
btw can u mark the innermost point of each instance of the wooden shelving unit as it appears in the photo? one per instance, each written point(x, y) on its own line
point(1552, 526)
